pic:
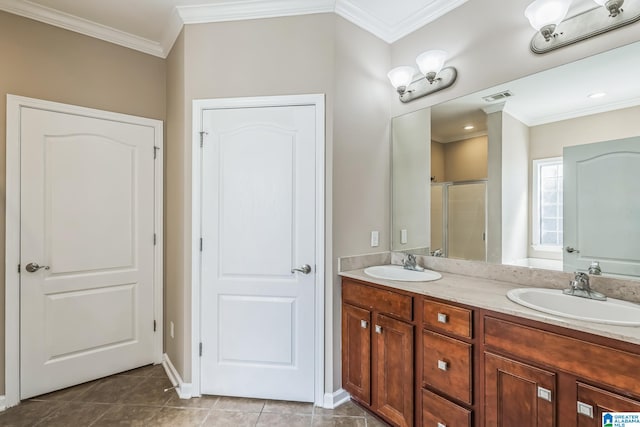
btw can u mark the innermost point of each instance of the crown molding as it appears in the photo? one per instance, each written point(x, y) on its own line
point(82, 26)
point(251, 9)
point(392, 33)
point(604, 108)
point(461, 137)
point(235, 11)
point(172, 30)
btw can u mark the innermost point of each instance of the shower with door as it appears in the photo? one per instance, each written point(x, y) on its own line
point(458, 219)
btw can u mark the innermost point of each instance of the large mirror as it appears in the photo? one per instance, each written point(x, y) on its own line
point(543, 171)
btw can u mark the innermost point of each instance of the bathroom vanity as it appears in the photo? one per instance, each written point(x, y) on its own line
point(456, 352)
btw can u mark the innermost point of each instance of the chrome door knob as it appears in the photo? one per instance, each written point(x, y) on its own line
point(305, 269)
point(571, 250)
point(32, 267)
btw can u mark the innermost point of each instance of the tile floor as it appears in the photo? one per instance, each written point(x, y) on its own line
point(137, 398)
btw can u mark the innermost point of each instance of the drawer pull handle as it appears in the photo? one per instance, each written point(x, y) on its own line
point(442, 365)
point(378, 329)
point(545, 394)
point(441, 425)
point(364, 324)
point(585, 409)
point(443, 318)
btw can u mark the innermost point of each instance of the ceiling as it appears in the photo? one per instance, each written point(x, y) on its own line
point(549, 96)
point(152, 26)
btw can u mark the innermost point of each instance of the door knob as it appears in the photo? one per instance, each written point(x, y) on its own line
point(571, 250)
point(305, 269)
point(32, 267)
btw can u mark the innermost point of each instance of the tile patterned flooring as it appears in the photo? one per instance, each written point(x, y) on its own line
point(136, 398)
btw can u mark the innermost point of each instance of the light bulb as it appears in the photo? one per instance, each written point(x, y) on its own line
point(401, 77)
point(431, 62)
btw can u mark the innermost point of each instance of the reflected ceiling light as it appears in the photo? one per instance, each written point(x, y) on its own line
point(547, 17)
point(596, 95)
point(434, 76)
point(469, 127)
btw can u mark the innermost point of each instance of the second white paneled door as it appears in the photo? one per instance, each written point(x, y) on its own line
point(258, 226)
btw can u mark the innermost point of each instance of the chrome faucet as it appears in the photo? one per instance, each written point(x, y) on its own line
point(595, 269)
point(409, 263)
point(580, 287)
point(437, 253)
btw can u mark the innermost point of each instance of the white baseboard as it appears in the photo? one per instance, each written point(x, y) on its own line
point(3, 403)
point(335, 399)
point(184, 390)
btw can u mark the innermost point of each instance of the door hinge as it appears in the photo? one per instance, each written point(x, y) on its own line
point(18, 268)
point(202, 134)
point(154, 326)
point(201, 244)
point(200, 349)
point(154, 239)
point(155, 152)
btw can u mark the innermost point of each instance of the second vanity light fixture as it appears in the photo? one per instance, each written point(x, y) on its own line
point(547, 17)
point(434, 77)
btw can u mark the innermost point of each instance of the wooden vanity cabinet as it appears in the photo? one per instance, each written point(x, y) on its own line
point(544, 375)
point(450, 365)
point(378, 350)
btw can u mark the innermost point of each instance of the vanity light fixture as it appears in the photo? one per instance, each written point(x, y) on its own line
point(432, 78)
point(547, 17)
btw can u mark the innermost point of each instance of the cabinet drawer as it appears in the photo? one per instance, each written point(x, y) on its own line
point(438, 411)
point(594, 362)
point(397, 305)
point(447, 365)
point(448, 318)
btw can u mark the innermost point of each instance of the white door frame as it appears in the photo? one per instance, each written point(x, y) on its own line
point(199, 105)
point(12, 243)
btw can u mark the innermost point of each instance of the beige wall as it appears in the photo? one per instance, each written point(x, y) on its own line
point(437, 161)
point(320, 53)
point(549, 139)
point(411, 184)
point(360, 158)
point(466, 160)
point(175, 178)
point(41, 61)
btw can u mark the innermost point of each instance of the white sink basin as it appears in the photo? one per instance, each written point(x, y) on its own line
point(397, 272)
point(553, 301)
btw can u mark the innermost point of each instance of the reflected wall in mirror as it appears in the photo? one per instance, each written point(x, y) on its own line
point(527, 124)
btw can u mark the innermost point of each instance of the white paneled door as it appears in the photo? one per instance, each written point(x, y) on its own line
point(258, 226)
point(602, 206)
point(87, 249)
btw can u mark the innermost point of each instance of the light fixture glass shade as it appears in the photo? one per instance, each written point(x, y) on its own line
point(431, 61)
point(401, 77)
point(541, 13)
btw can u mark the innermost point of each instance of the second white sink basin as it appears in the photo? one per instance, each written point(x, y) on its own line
point(397, 272)
point(553, 301)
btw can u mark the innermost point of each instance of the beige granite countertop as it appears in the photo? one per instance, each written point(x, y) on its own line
point(492, 295)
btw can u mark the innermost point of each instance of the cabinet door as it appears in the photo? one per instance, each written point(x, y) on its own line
point(356, 352)
point(394, 370)
point(593, 402)
point(517, 394)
